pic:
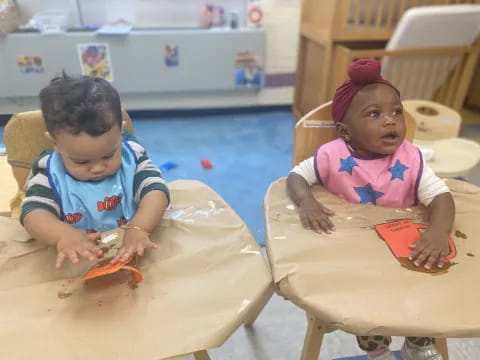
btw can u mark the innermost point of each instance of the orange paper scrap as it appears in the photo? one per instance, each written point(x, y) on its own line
point(109, 268)
point(400, 234)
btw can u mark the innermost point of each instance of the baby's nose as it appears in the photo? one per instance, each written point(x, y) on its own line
point(390, 120)
point(97, 168)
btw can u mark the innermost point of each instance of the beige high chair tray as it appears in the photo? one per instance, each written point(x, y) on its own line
point(437, 130)
point(9, 186)
point(351, 281)
point(453, 157)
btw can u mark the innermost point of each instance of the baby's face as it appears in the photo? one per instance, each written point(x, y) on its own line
point(90, 158)
point(375, 122)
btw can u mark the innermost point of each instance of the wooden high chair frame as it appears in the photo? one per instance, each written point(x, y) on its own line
point(313, 130)
point(25, 139)
point(334, 32)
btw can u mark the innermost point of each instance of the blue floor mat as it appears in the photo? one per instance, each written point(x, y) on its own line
point(248, 152)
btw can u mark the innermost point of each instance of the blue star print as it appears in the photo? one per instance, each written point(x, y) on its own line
point(397, 170)
point(347, 165)
point(368, 194)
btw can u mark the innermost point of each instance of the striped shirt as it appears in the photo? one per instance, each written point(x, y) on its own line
point(40, 193)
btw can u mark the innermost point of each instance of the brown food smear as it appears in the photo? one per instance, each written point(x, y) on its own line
point(409, 265)
point(132, 284)
point(63, 295)
point(460, 234)
point(470, 254)
point(103, 262)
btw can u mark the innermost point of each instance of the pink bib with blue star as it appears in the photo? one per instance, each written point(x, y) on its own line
point(390, 181)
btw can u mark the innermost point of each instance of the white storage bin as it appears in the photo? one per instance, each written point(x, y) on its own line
point(52, 21)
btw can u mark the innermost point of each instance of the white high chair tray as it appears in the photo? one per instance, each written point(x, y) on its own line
point(452, 157)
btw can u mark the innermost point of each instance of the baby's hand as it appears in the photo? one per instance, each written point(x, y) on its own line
point(315, 216)
point(432, 249)
point(76, 243)
point(134, 241)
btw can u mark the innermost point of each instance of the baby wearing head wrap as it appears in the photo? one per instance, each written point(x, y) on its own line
point(372, 163)
point(362, 72)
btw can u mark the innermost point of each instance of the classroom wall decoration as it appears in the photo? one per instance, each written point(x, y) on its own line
point(248, 70)
point(254, 14)
point(95, 60)
point(30, 64)
point(171, 53)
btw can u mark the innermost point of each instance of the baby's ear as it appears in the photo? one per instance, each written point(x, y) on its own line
point(124, 126)
point(343, 131)
point(49, 137)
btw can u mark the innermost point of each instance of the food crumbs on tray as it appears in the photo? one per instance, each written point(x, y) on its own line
point(63, 295)
point(132, 284)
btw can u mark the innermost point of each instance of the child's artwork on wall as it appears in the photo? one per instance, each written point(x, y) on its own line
point(95, 60)
point(248, 70)
point(30, 64)
point(171, 55)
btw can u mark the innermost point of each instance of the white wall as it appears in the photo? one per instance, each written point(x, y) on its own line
point(144, 13)
point(282, 22)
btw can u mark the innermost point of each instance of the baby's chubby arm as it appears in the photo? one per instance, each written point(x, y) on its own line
point(70, 242)
point(148, 216)
point(313, 215)
point(432, 247)
point(152, 196)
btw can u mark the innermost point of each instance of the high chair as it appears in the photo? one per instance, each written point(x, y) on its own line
point(185, 304)
point(304, 263)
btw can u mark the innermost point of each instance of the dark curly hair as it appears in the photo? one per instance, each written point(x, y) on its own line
point(80, 104)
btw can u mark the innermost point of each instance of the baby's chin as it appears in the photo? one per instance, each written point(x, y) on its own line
point(81, 177)
point(389, 151)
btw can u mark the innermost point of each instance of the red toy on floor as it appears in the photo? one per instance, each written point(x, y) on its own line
point(206, 164)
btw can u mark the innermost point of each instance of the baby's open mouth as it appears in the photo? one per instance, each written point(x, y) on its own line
point(390, 137)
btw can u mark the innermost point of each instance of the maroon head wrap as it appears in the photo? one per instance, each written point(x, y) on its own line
point(362, 72)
